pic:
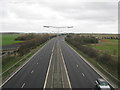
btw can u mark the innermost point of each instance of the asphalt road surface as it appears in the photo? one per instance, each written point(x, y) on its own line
point(56, 65)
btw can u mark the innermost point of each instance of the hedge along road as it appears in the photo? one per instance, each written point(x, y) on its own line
point(33, 74)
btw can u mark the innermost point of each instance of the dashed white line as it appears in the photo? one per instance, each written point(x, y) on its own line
point(76, 65)
point(32, 71)
point(22, 66)
point(52, 76)
point(83, 74)
point(23, 85)
point(91, 66)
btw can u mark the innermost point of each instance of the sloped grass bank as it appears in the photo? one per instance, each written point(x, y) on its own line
point(14, 62)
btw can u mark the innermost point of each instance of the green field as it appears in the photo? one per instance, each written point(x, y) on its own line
point(107, 45)
point(103, 47)
point(101, 35)
point(112, 71)
point(7, 39)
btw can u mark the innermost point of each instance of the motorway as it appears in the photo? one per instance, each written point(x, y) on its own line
point(55, 65)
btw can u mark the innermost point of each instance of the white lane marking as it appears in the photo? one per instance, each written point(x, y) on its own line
point(48, 68)
point(76, 65)
point(52, 76)
point(32, 71)
point(65, 69)
point(62, 74)
point(62, 79)
point(22, 66)
point(37, 63)
point(52, 50)
point(23, 85)
point(96, 70)
point(83, 74)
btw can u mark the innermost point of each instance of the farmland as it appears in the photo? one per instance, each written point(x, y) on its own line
point(100, 35)
point(8, 39)
point(31, 44)
point(103, 53)
point(109, 46)
point(107, 43)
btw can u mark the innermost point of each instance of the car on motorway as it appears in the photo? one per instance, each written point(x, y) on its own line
point(101, 84)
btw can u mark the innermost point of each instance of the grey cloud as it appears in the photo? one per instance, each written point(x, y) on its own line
point(102, 11)
point(56, 12)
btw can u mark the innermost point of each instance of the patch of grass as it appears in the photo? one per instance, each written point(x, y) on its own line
point(8, 39)
point(14, 59)
point(107, 45)
point(11, 60)
point(95, 64)
point(100, 35)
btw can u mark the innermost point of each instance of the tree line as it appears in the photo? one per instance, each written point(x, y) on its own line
point(80, 43)
point(31, 41)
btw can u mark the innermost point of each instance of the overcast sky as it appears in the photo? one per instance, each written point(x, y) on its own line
point(87, 16)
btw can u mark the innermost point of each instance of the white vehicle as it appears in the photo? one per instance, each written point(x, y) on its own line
point(101, 84)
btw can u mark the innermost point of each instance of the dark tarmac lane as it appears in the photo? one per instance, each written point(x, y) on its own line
point(33, 74)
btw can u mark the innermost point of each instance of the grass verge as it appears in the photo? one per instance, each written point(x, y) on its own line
point(16, 62)
point(99, 67)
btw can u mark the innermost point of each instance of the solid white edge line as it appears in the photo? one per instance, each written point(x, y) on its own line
point(90, 65)
point(66, 70)
point(61, 69)
point(48, 68)
point(62, 79)
point(62, 74)
point(21, 66)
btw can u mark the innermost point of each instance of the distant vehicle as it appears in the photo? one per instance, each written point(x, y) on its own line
point(101, 84)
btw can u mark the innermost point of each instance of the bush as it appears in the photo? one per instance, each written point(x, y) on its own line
point(90, 52)
point(104, 58)
point(85, 39)
point(77, 43)
point(25, 37)
point(33, 43)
